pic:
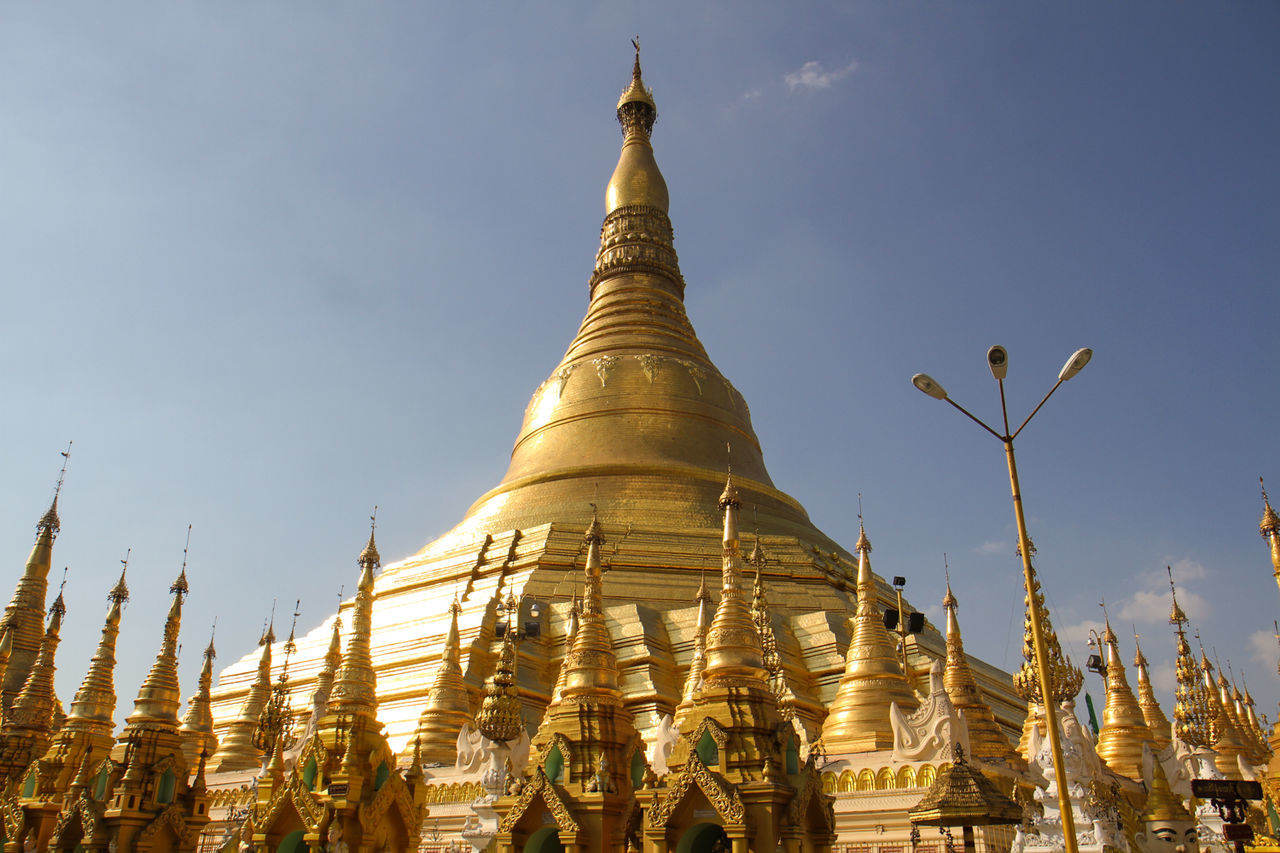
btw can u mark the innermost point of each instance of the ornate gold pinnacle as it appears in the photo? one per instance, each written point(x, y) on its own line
point(448, 702)
point(986, 740)
point(872, 680)
point(355, 686)
point(1192, 708)
point(501, 715)
point(1124, 729)
point(1152, 713)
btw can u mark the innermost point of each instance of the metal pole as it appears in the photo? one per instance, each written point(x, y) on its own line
point(1042, 656)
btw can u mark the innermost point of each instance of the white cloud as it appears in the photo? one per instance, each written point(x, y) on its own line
point(1077, 636)
point(1263, 649)
point(1163, 678)
point(752, 95)
point(813, 76)
point(988, 548)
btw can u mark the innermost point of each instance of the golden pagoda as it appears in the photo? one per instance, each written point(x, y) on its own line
point(1157, 723)
point(26, 730)
point(858, 718)
point(23, 619)
point(197, 725)
point(590, 758)
point(1224, 738)
point(236, 750)
point(157, 803)
point(84, 741)
point(635, 418)
point(1124, 731)
point(987, 741)
point(448, 702)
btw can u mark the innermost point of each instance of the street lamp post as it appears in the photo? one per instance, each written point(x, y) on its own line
point(998, 361)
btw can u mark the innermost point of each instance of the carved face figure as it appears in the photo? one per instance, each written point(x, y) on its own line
point(1171, 836)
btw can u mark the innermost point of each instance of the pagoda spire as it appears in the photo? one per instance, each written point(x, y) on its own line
point(575, 619)
point(197, 726)
point(698, 663)
point(1226, 740)
point(1269, 527)
point(1192, 706)
point(768, 639)
point(986, 740)
point(94, 705)
point(23, 618)
point(1157, 722)
point(733, 646)
point(355, 686)
point(501, 714)
point(1065, 679)
point(448, 702)
point(1124, 729)
point(156, 705)
point(592, 668)
point(324, 680)
point(235, 748)
point(590, 714)
point(873, 680)
point(25, 734)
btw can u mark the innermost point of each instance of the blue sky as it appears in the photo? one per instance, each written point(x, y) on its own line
point(270, 266)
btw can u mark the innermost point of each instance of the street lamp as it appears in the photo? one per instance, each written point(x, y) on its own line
point(998, 362)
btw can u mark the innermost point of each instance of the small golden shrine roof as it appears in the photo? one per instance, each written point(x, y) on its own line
point(961, 796)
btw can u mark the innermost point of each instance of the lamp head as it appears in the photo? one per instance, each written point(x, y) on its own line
point(926, 384)
point(998, 361)
point(1075, 364)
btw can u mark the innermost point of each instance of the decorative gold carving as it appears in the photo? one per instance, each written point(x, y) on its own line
point(562, 378)
point(540, 786)
point(650, 364)
point(394, 793)
point(173, 819)
point(604, 366)
point(724, 798)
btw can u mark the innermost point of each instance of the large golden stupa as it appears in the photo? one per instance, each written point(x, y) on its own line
point(636, 421)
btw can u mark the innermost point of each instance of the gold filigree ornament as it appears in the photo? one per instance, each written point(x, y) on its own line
point(724, 798)
point(540, 786)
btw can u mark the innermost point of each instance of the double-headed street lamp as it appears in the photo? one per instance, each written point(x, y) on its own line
point(998, 361)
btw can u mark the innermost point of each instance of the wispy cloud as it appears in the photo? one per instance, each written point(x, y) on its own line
point(1263, 651)
point(752, 95)
point(989, 548)
point(812, 75)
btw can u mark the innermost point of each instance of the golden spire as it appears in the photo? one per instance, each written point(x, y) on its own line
point(1124, 727)
point(768, 640)
point(1157, 722)
point(1227, 742)
point(501, 714)
point(24, 616)
point(1269, 527)
point(733, 646)
point(1255, 726)
point(575, 619)
point(235, 748)
point(324, 680)
point(448, 702)
point(698, 663)
point(355, 687)
point(197, 726)
point(859, 720)
point(158, 698)
point(1065, 679)
point(274, 731)
point(636, 180)
point(94, 705)
point(1192, 705)
point(592, 668)
point(986, 740)
point(33, 707)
